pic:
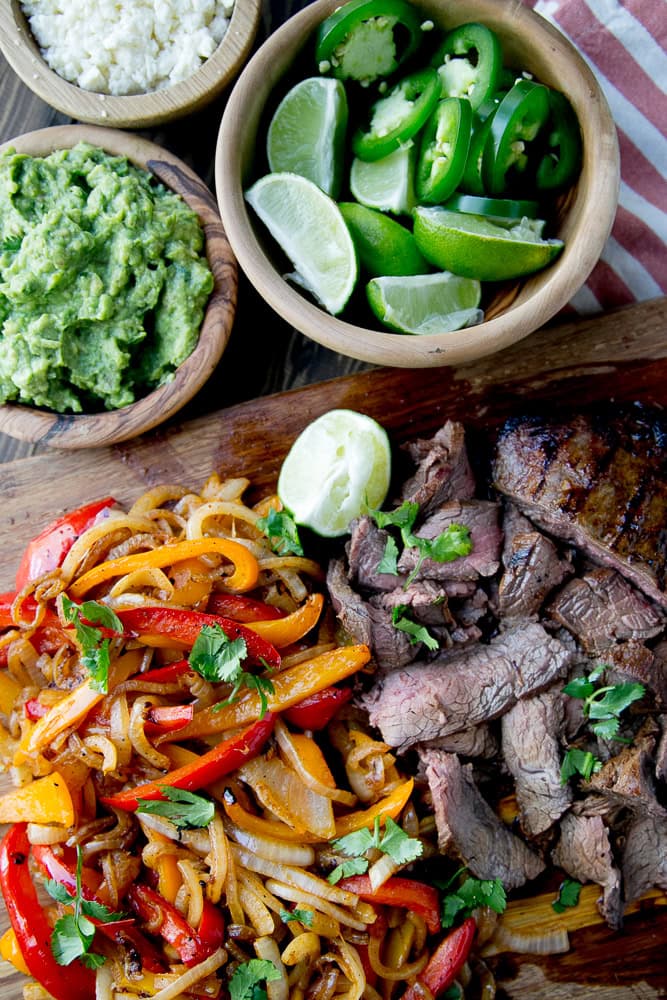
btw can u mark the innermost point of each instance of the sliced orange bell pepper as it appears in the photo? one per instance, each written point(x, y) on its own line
point(261, 826)
point(289, 687)
point(282, 632)
point(45, 800)
point(313, 760)
point(390, 806)
point(244, 577)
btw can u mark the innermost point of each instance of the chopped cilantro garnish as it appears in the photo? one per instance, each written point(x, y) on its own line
point(603, 705)
point(577, 761)
point(73, 934)
point(394, 841)
point(245, 983)
point(450, 544)
point(94, 645)
point(415, 632)
point(304, 917)
point(186, 810)
point(280, 528)
point(568, 895)
point(470, 894)
point(218, 659)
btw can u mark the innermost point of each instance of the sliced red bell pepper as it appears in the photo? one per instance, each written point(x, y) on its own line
point(169, 674)
point(211, 928)
point(446, 962)
point(62, 869)
point(318, 710)
point(222, 760)
point(405, 892)
point(184, 626)
point(241, 608)
point(31, 926)
point(167, 719)
point(126, 934)
point(164, 919)
point(48, 549)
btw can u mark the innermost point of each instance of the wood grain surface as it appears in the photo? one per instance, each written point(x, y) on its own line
point(620, 357)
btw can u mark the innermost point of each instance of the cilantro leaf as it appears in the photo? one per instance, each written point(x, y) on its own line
point(580, 762)
point(186, 810)
point(216, 657)
point(579, 687)
point(449, 545)
point(355, 866)
point(568, 895)
point(398, 845)
point(416, 633)
point(245, 983)
point(471, 894)
point(94, 646)
point(280, 528)
point(606, 729)
point(263, 686)
point(402, 518)
point(389, 561)
point(355, 843)
point(304, 917)
point(614, 700)
point(73, 934)
point(604, 705)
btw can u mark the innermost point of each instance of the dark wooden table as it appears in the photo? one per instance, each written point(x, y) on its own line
point(265, 355)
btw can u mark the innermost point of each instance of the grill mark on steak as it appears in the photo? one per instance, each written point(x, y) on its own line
point(425, 701)
point(466, 822)
point(600, 482)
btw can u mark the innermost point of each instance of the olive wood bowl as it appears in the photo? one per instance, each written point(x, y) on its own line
point(584, 216)
point(87, 430)
point(137, 110)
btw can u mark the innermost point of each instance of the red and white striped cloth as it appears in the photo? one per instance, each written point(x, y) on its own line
point(625, 44)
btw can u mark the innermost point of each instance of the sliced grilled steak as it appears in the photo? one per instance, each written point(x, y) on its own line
point(443, 471)
point(627, 778)
point(634, 661)
point(481, 517)
point(532, 753)
point(477, 741)
point(392, 648)
point(467, 824)
point(645, 857)
point(601, 608)
point(661, 751)
point(425, 600)
point(364, 552)
point(426, 701)
point(584, 852)
point(598, 481)
point(351, 609)
point(533, 567)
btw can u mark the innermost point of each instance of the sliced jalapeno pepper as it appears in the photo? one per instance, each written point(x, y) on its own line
point(493, 208)
point(469, 62)
point(444, 150)
point(472, 175)
point(561, 162)
point(366, 40)
point(398, 116)
point(515, 125)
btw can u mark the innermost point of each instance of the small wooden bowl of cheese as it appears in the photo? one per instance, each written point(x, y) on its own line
point(147, 71)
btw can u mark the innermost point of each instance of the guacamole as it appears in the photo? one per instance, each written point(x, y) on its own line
point(103, 282)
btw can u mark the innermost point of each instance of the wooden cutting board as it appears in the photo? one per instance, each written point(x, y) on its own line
point(619, 357)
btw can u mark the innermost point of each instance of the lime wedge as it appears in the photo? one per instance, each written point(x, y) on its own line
point(426, 303)
point(338, 467)
point(384, 246)
point(387, 184)
point(311, 230)
point(307, 133)
point(475, 247)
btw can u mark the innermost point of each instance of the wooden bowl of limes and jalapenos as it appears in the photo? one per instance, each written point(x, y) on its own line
point(417, 184)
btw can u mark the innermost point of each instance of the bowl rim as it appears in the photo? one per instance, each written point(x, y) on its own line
point(598, 184)
point(136, 110)
point(86, 430)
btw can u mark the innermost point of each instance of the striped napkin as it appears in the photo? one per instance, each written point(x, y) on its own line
point(625, 44)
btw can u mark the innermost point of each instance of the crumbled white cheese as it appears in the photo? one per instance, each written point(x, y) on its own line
point(127, 46)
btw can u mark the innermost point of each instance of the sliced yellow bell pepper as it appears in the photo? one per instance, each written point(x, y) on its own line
point(9, 692)
point(73, 708)
point(244, 577)
point(281, 632)
point(312, 759)
point(10, 951)
point(45, 800)
point(390, 806)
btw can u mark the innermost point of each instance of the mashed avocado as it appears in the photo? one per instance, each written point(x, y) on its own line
point(103, 283)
